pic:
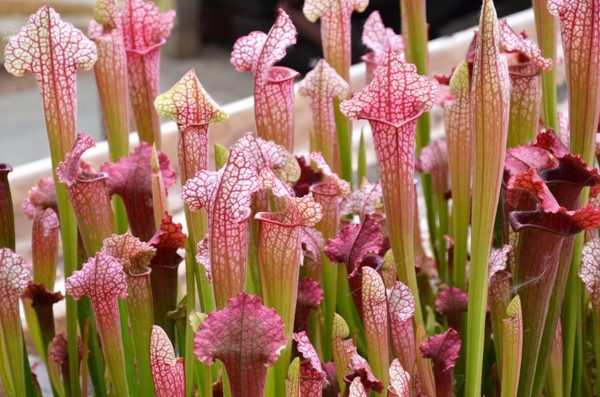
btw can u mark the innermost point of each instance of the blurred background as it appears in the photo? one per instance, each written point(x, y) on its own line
point(202, 38)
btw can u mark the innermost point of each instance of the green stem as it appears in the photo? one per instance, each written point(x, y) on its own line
point(571, 313)
point(68, 233)
point(204, 380)
point(128, 353)
point(512, 335)
point(191, 307)
point(141, 317)
point(4, 370)
point(362, 160)
point(120, 214)
point(546, 37)
point(226, 385)
point(253, 284)
point(33, 328)
point(13, 347)
point(596, 327)
point(549, 99)
point(414, 32)
point(344, 133)
point(196, 222)
point(460, 233)
point(280, 370)
point(118, 147)
point(194, 273)
point(442, 210)
point(554, 379)
point(552, 319)
point(427, 185)
point(112, 347)
point(31, 387)
point(95, 360)
point(478, 291)
point(578, 361)
point(329, 275)
point(347, 309)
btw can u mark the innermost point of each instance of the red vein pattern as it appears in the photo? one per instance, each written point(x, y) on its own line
point(273, 85)
point(374, 315)
point(399, 380)
point(342, 348)
point(44, 247)
point(392, 102)
point(357, 389)
point(312, 244)
point(434, 160)
point(247, 337)
point(312, 375)
point(111, 72)
point(103, 280)
point(443, 350)
point(511, 41)
point(41, 207)
point(131, 178)
point(192, 108)
point(145, 30)
point(525, 67)
point(499, 293)
point(106, 13)
point(364, 201)
point(263, 155)
point(279, 249)
point(580, 31)
point(512, 334)
point(459, 135)
point(88, 195)
point(335, 29)
point(401, 311)
point(135, 256)
point(226, 194)
point(589, 272)
point(167, 370)
point(490, 104)
point(329, 194)
point(498, 259)
point(322, 85)
point(379, 39)
point(15, 275)
point(360, 368)
point(52, 50)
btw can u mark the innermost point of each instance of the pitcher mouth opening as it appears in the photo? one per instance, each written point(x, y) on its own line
point(281, 74)
point(89, 177)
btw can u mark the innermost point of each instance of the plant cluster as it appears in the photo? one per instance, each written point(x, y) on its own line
point(301, 277)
